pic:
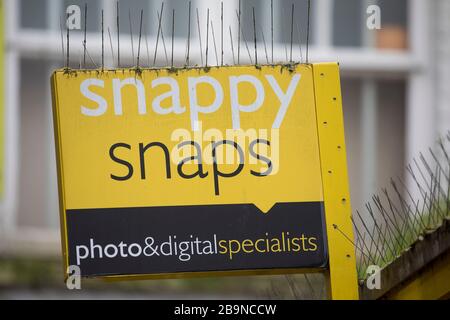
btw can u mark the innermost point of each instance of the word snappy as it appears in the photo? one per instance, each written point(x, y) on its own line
point(193, 84)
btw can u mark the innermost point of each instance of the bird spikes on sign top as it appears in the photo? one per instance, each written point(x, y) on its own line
point(202, 58)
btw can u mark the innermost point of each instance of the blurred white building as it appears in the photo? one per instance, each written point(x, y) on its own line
point(394, 83)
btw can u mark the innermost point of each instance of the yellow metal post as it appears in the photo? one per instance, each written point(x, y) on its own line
point(342, 277)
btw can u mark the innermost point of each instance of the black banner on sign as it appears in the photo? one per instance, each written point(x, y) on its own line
point(157, 240)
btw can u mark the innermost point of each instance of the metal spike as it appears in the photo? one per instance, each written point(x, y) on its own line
point(239, 34)
point(405, 220)
point(68, 43)
point(436, 159)
point(246, 46)
point(378, 228)
point(374, 245)
point(410, 171)
point(285, 46)
point(421, 172)
point(85, 31)
point(79, 60)
point(147, 49)
point(428, 168)
point(111, 44)
point(391, 223)
point(363, 240)
point(299, 41)
point(385, 244)
point(307, 31)
point(207, 37)
point(173, 36)
point(159, 32)
point(62, 40)
point(432, 185)
point(189, 35)
point(232, 46)
point(214, 42)
point(292, 31)
point(199, 37)
point(418, 211)
point(440, 197)
point(265, 46)
point(90, 58)
point(364, 259)
point(131, 35)
point(394, 212)
point(254, 36)
point(358, 233)
point(118, 34)
point(435, 197)
point(271, 24)
point(403, 203)
point(139, 42)
point(380, 208)
point(447, 201)
point(385, 216)
point(370, 234)
point(360, 258)
point(408, 212)
point(221, 33)
point(441, 145)
point(164, 42)
point(440, 214)
point(336, 227)
point(103, 43)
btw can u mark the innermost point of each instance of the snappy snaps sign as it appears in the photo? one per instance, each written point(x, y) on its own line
point(190, 170)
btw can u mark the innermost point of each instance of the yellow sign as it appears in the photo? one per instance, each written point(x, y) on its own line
point(108, 122)
point(170, 172)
